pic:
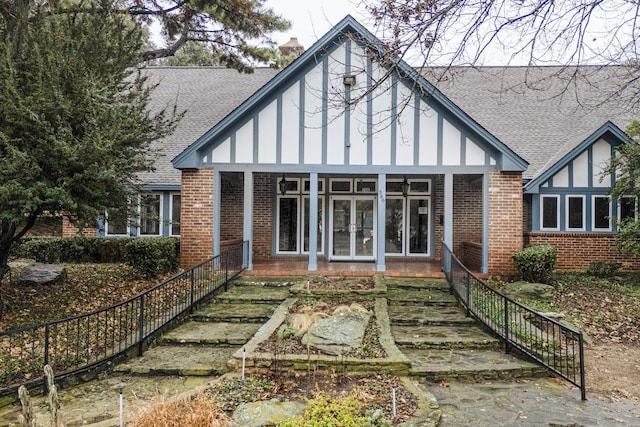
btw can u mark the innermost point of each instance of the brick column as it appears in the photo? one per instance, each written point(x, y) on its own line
point(196, 217)
point(505, 220)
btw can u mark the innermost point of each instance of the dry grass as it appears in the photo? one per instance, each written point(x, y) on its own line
point(197, 411)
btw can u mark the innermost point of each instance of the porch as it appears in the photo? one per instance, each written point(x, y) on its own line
point(415, 268)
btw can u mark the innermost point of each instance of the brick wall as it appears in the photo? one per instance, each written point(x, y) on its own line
point(263, 216)
point(576, 250)
point(196, 222)
point(467, 213)
point(70, 230)
point(438, 212)
point(505, 220)
point(231, 206)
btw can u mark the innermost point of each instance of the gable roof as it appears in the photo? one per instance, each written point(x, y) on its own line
point(348, 27)
point(607, 131)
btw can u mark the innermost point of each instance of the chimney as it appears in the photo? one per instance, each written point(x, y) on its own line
point(292, 46)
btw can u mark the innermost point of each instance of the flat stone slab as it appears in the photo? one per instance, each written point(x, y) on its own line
point(449, 337)
point(234, 312)
point(254, 294)
point(470, 365)
point(224, 333)
point(428, 315)
point(424, 297)
point(416, 283)
point(268, 281)
point(185, 360)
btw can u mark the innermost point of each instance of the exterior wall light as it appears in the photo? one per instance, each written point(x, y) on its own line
point(349, 80)
point(283, 185)
point(405, 187)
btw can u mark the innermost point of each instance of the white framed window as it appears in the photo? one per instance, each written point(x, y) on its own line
point(150, 211)
point(305, 225)
point(419, 226)
point(601, 213)
point(550, 212)
point(174, 214)
point(341, 185)
point(394, 235)
point(292, 185)
point(627, 208)
point(366, 185)
point(575, 213)
point(288, 224)
point(419, 186)
point(306, 186)
point(394, 186)
point(116, 224)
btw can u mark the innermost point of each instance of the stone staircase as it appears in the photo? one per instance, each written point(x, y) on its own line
point(442, 343)
point(203, 345)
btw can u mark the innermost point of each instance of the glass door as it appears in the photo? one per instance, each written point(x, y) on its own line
point(418, 242)
point(353, 228)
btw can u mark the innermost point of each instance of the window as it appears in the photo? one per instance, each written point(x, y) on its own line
point(288, 224)
point(627, 208)
point(306, 186)
point(116, 223)
point(174, 224)
point(550, 213)
point(365, 186)
point(394, 226)
point(305, 219)
point(293, 211)
point(575, 213)
point(601, 213)
point(340, 185)
point(150, 217)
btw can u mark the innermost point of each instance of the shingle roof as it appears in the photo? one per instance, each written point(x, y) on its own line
point(540, 113)
point(206, 95)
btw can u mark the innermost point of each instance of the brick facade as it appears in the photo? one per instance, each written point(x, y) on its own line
point(467, 218)
point(69, 229)
point(263, 216)
point(574, 251)
point(196, 222)
point(505, 220)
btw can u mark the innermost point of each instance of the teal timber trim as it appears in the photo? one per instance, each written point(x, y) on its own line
point(380, 232)
point(217, 198)
point(448, 209)
point(279, 119)
point(313, 222)
point(416, 132)
point(347, 111)
point(369, 114)
point(325, 102)
point(247, 220)
point(394, 119)
point(301, 118)
point(484, 268)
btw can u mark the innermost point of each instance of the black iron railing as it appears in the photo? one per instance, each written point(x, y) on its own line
point(556, 346)
point(80, 343)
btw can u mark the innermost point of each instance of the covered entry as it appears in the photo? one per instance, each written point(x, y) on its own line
point(331, 179)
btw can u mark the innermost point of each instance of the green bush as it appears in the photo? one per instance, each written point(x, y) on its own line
point(603, 268)
point(148, 256)
point(152, 256)
point(325, 412)
point(536, 263)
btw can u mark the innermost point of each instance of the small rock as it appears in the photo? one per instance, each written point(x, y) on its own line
point(42, 274)
point(266, 413)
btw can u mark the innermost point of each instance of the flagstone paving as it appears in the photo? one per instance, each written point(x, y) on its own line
point(443, 345)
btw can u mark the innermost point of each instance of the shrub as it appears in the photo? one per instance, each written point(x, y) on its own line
point(536, 263)
point(603, 268)
point(198, 411)
point(74, 249)
point(325, 412)
point(152, 256)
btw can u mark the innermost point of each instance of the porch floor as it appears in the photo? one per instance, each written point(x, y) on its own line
point(290, 267)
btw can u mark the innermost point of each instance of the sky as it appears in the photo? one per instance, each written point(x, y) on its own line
point(314, 19)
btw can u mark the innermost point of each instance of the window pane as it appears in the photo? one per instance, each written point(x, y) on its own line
point(420, 187)
point(394, 226)
point(627, 209)
point(365, 186)
point(306, 225)
point(549, 212)
point(394, 187)
point(117, 223)
point(150, 215)
point(288, 224)
point(341, 186)
point(419, 226)
point(601, 213)
point(175, 214)
point(576, 213)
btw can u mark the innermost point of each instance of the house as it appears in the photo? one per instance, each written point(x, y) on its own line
point(338, 158)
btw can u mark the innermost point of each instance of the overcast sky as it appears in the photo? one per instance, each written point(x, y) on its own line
point(311, 19)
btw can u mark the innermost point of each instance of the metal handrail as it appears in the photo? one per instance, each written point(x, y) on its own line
point(80, 343)
point(550, 343)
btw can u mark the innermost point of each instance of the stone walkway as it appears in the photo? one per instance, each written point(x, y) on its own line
point(456, 363)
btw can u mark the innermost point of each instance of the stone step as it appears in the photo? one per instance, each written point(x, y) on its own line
point(420, 297)
point(254, 294)
point(234, 312)
point(212, 333)
point(183, 360)
point(415, 315)
point(267, 281)
point(470, 365)
point(466, 337)
point(409, 283)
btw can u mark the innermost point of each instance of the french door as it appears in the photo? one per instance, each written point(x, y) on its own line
point(353, 228)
